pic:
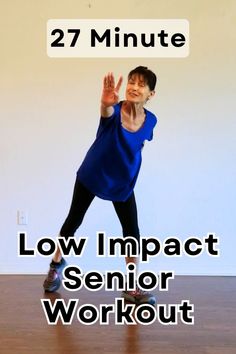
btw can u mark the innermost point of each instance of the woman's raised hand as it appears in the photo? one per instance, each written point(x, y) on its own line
point(110, 92)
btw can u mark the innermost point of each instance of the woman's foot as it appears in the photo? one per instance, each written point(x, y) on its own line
point(53, 280)
point(139, 296)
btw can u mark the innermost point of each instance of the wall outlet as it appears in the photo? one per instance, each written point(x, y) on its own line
point(22, 217)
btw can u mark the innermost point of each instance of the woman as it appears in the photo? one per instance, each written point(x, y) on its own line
point(111, 165)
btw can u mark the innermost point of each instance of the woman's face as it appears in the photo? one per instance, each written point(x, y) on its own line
point(137, 90)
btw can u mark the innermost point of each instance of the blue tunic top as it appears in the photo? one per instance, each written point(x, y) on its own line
point(111, 165)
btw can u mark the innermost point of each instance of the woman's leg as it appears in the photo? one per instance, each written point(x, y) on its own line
point(81, 201)
point(128, 216)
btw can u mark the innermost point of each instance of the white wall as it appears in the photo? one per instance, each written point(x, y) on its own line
point(49, 113)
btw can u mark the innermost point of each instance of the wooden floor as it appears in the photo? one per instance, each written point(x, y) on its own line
point(24, 329)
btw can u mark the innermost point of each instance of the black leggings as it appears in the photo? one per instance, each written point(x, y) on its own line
point(81, 200)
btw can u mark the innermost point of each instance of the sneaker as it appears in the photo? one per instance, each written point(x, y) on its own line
point(53, 280)
point(139, 296)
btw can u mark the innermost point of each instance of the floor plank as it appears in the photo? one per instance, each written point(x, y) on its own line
point(24, 329)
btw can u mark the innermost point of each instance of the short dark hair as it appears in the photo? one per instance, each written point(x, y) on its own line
point(149, 76)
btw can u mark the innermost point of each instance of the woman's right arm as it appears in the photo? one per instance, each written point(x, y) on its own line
point(110, 95)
